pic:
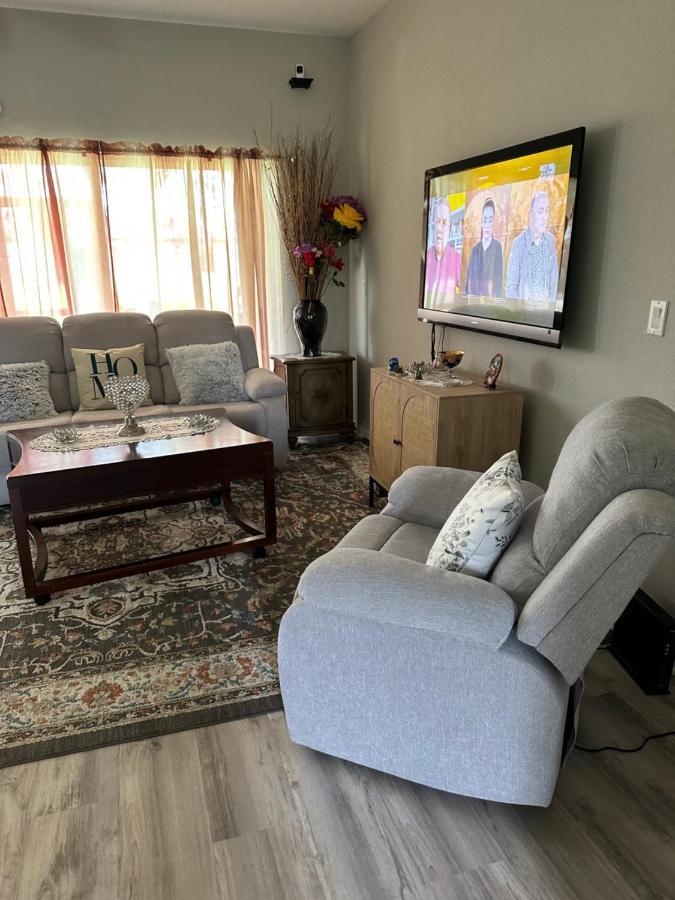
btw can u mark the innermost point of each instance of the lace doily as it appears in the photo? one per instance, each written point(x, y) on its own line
point(159, 429)
point(438, 380)
point(323, 355)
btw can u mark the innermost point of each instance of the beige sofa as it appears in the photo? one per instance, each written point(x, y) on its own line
point(31, 338)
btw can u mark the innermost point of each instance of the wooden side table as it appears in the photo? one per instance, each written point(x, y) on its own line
point(413, 424)
point(320, 397)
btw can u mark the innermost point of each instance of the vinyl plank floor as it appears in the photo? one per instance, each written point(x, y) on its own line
point(236, 811)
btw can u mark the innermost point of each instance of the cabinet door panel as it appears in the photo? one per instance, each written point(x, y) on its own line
point(418, 430)
point(321, 395)
point(385, 454)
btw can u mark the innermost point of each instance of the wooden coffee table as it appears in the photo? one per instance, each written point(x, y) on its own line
point(50, 488)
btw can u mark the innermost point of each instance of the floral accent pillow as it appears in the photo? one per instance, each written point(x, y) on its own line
point(481, 526)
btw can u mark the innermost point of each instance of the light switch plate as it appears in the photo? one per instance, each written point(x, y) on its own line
point(658, 310)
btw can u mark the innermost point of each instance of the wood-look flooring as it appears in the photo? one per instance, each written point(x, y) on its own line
point(237, 811)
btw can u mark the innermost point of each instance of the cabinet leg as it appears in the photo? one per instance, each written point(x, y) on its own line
point(371, 492)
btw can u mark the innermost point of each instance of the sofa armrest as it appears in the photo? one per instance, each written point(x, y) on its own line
point(426, 495)
point(391, 590)
point(260, 383)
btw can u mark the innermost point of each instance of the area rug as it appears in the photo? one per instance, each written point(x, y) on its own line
point(159, 652)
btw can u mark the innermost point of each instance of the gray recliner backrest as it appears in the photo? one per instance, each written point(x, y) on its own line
point(626, 444)
point(607, 516)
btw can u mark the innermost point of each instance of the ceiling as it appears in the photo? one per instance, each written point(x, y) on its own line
point(301, 16)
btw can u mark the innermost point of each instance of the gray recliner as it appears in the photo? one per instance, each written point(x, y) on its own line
point(467, 685)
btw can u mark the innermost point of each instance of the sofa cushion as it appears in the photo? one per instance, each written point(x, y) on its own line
point(411, 541)
point(207, 373)
point(103, 330)
point(91, 416)
point(483, 523)
point(518, 571)
point(24, 392)
point(247, 415)
point(371, 533)
point(188, 326)
point(59, 420)
point(93, 367)
point(32, 338)
point(247, 347)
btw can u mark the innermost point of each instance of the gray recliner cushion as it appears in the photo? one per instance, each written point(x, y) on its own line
point(624, 445)
point(518, 571)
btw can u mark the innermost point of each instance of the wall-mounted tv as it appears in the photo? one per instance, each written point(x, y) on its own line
point(497, 239)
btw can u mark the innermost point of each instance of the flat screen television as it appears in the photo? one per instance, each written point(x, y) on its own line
point(497, 239)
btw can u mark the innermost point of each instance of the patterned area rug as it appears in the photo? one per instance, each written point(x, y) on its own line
point(166, 650)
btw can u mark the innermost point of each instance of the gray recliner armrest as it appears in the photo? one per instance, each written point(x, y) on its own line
point(427, 495)
point(261, 383)
point(391, 590)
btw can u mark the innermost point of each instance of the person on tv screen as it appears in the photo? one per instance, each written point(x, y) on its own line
point(484, 277)
point(532, 272)
point(443, 261)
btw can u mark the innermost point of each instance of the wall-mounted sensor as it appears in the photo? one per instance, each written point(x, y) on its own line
point(299, 80)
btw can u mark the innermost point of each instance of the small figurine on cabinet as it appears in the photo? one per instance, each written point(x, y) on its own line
point(493, 371)
point(394, 366)
point(417, 370)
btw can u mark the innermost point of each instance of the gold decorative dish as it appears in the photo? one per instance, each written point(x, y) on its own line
point(450, 358)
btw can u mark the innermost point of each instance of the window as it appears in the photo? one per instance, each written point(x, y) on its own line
point(93, 227)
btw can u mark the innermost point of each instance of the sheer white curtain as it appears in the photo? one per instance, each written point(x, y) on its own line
point(127, 227)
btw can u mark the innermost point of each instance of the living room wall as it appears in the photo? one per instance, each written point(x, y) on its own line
point(116, 79)
point(433, 82)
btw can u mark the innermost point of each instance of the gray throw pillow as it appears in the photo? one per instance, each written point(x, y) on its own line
point(207, 373)
point(24, 392)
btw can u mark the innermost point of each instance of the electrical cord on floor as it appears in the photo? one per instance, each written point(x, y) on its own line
point(650, 737)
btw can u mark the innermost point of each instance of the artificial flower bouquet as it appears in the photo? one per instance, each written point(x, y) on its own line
point(344, 217)
point(322, 256)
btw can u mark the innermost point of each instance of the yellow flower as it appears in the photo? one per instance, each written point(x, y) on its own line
point(348, 217)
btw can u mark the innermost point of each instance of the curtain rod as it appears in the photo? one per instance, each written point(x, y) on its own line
point(122, 147)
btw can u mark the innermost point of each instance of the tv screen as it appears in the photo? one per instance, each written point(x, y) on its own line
point(497, 239)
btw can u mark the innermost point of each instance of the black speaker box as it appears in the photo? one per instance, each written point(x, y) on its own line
point(643, 640)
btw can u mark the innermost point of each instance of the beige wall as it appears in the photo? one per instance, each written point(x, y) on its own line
point(115, 79)
point(435, 81)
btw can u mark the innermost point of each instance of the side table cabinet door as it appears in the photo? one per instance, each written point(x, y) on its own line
point(321, 395)
point(385, 439)
point(419, 429)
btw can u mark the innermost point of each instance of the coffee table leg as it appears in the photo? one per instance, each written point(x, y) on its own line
point(270, 498)
point(23, 542)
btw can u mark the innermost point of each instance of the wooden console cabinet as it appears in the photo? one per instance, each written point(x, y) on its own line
point(320, 394)
point(422, 425)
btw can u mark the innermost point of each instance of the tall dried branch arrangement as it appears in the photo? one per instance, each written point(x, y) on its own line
point(301, 171)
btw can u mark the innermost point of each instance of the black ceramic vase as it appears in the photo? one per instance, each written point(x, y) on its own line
point(310, 318)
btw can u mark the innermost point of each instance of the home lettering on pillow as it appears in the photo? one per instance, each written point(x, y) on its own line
point(94, 367)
